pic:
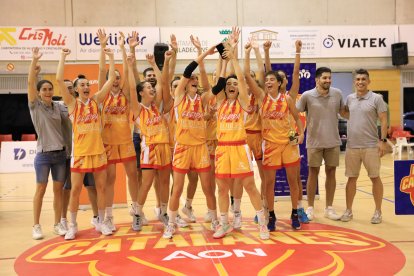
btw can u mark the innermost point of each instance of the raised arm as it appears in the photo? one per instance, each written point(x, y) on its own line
point(295, 114)
point(294, 89)
point(242, 87)
point(101, 94)
point(103, 39)
point(221, 82)
point(157, 71)
point(34, 71)
point(68, 99)
point(125, 83)
point(135, 106)
point(166, 95)
point(173, 60)
point(233, 39)
point(133, 43)
point(259, 61)
point(203, 75)
point(266, 48)
point(254, 88)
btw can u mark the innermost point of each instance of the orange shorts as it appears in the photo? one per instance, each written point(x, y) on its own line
point(120, 153)
point(88, 163)
point(254, 140)
point(156, 156)
point(233, 160)
point(276, 156)
point(211, 146)
point(194, 158)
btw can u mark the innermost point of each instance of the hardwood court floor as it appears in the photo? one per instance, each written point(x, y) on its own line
point(16, 193)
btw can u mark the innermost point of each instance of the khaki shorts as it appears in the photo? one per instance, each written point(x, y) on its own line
point(276, 156)
point(368, 156)
point(120, 153)
point(330, 155)
point(89, 163)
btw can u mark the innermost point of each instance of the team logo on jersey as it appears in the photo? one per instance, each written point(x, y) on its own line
point(318, 248)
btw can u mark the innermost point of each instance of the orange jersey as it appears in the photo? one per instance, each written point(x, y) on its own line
point(191, 127)
point(115, 119)
point(253, 121)
point(212, 123)
point(152, 125)
point(230, 122)
point(275, 119)
point(86, 125)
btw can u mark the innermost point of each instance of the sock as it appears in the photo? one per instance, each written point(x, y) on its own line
point(224, 218)
point(300, 204)
point(171, 216)
point(73, 216)
point(272, 214)
point(101, 216)
point(139, 209)
point(108, 211)
point(163, 208)
point(294, 212)
point(236, 206)
point(63, 220)
point(188, 203)
point(213, 214)
point(260, 216)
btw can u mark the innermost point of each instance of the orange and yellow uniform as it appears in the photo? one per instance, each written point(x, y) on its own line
point(254, 128)
point(155, 149)
point(233, 157)
point(116, 133)
point(212, 129)
point(87, 150)
point(190, 151)
point(276, 125)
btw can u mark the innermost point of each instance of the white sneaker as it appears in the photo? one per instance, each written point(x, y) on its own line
point(163, 218)
point(58, 229)
point(180, 222)
point(331, 214)
point(132, 211)
point(95, 222)
point(347, 216)
point(264, 232)
point(37, 233)
point(109, 221)
point(73, 229)
point(222, 230)
point(207, 217)
point(377, 217)
point(169, 231)
point(215, 225)
point(237, 220)
point(64, 223)
point(104, 229)
point(309, 213)
point(189, 213)
point(137, 223)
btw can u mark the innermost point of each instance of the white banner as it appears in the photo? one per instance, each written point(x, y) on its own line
point(88, 46)
point(283, 40)
point(17, 156)
point(407, 35)
point(208, 37)
point(358, 41)
point(16, 43)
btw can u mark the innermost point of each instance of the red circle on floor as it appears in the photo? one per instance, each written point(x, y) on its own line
point(316, 249)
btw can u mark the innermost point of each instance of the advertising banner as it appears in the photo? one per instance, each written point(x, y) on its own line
point(404, 187)
point(16, 43)
point(307, 82)
point(17, 156)
point(208, 37)
point(88, 45)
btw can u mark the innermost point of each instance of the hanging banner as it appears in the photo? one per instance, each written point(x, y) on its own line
point(208, 37)
point(307, 81)
point(16, 43)
point(88, 45)
point(404, 187)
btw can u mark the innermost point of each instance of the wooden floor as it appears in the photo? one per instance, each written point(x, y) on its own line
point(16, 192)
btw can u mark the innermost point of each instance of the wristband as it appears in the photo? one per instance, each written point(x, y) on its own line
point(221, 83)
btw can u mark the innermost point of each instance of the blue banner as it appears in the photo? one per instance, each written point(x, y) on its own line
point(307, 81)
point(404, 187)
